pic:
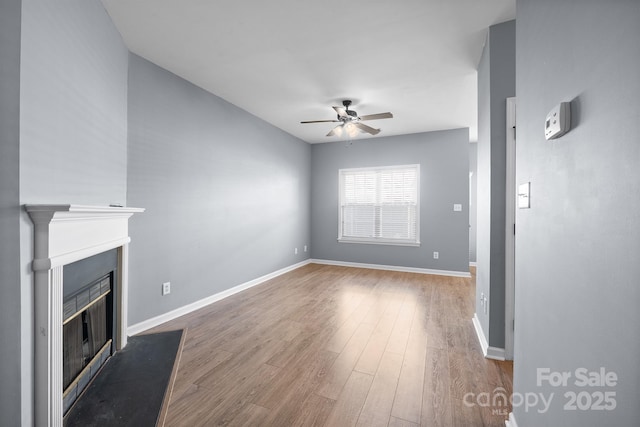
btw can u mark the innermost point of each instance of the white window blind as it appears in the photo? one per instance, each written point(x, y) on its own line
point(380, 205)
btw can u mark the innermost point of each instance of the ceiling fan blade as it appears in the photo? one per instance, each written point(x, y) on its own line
point(377, 116)
point(321, 121)
point(341, 111)
point(336, 131)
point(366, 128)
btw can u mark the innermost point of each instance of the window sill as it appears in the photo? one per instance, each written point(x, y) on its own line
point(379, 242)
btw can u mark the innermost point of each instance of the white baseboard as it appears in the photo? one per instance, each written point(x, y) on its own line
point(186, 309)
point(488, 351)
point(480, 334)
point(495, 353)
point(511, 422)
point(393, 268)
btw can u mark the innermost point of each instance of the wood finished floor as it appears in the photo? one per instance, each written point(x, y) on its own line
point(337, 346)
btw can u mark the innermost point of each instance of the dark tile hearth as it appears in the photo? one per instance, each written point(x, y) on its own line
point(131, 387)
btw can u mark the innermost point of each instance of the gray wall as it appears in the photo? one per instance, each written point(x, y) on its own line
point(228, 191)
point(496, 83)
point(10, 347)
point(444, 180)
point(73, 136)
point(577, 248)
point(73, 121)
point(473, 200)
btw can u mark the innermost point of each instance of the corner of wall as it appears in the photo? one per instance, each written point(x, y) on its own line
point(496, 83)
point(15, 404)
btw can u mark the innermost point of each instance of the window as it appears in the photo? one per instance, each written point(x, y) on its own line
point(380, 205)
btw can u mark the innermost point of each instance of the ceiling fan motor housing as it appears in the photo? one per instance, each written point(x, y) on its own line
point(352, 114)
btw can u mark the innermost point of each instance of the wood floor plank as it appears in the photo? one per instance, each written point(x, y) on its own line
point(436, 334)
point(194, 364)
point(290, 330)
point(240, 396)
point(287, 403)
point(250, 416)
point(460, 377)
point(297, 380)
point(345, 362)
point(464, 415)
point(377, 310)
point(370, 358)
point(436, 325)
point(342, 336)
point(436, 397)
point(349, 404)
point(292, 351)
point(191, 406)
point(397, 422)
point(400, 333)
point(231, 370)
point(314, 411)
point(408, 401)
point(377, 407)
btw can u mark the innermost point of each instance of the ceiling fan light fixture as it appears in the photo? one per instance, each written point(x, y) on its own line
point(351, 129)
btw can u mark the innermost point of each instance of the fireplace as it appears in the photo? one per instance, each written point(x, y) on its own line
point(88, 321)
point(67, 307)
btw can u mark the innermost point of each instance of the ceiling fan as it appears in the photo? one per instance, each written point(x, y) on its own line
point(350, 122)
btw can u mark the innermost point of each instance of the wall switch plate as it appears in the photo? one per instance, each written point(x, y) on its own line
point(166, 288)
point(457, 207)
point(436, 255)
point(524, 202)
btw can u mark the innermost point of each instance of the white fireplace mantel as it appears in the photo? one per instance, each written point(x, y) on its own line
point(64, 234)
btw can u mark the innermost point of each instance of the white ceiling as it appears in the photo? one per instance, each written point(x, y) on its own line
point(290, 60)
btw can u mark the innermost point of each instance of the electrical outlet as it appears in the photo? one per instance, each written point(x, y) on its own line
point(436, 255)
point(305, 248)
point(166, 288)
point(295, 251)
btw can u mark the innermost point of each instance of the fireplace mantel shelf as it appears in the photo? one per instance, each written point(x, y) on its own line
point(67, 233)
point(81, 208)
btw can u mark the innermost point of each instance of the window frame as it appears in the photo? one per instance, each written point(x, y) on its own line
point(377, 240)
